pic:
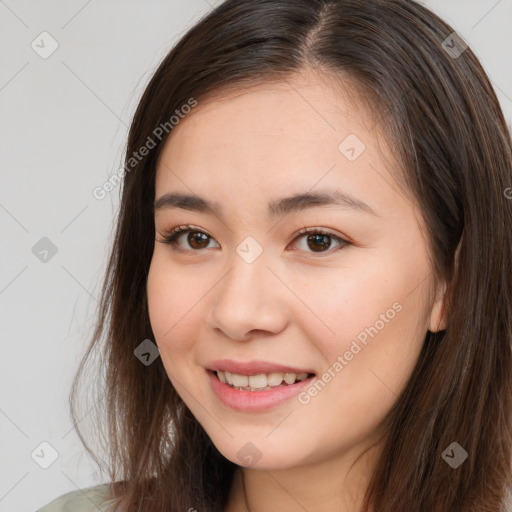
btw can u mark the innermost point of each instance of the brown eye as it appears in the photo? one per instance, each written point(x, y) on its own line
point(195, 238)
point(317, 240)
point(320, 241)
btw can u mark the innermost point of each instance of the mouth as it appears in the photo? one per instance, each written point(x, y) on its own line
point(261, 381)
point(259, 391)
point(256, 385)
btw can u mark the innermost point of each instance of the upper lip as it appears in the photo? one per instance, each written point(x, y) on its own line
point(253, 367)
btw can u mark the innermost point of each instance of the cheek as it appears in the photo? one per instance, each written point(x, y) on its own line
point(172, 294)
point(377, 324)
point(373, 314)
point(342, 302)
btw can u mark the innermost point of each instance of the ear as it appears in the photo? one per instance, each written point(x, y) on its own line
point(438, 320)
point(438, 316)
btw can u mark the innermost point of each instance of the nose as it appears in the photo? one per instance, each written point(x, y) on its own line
point(249, 300)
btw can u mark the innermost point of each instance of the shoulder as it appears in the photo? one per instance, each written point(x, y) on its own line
point(82, 500)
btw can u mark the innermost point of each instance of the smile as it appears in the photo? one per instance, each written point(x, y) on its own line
point(260, 382)
point(252, 398)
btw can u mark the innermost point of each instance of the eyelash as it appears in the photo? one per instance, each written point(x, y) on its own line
point(171, 236)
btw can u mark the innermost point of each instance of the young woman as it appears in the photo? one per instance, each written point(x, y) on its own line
point(308, 302)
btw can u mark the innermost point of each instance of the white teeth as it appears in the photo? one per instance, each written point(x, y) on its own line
point(274, 379)
point(289, 378)
point(258, 381)
point(261, 381)
point(240, 381)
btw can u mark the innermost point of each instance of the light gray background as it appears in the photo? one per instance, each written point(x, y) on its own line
point(63, 127)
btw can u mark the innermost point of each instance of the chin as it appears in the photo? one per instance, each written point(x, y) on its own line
point(258, 451)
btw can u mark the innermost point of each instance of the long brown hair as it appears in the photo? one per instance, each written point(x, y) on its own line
point(442, 118)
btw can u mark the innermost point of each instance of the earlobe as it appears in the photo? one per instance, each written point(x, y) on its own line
point(438, 321)
point(438, 316)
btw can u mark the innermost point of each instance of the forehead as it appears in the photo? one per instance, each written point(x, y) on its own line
point(276, 136)
point(305, 107)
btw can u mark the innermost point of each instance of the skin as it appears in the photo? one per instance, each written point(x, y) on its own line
point(293, 304)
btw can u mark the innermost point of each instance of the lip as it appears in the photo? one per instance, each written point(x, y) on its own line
point(254, 367)
point(255, 401)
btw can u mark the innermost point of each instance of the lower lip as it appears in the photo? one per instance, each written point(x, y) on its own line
point(250, 401)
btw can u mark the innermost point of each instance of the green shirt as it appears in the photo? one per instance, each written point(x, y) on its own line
point(90, 499)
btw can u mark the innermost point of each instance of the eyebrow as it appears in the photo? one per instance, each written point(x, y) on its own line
point(275, 208)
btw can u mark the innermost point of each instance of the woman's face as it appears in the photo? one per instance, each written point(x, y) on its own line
point(254, 289)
